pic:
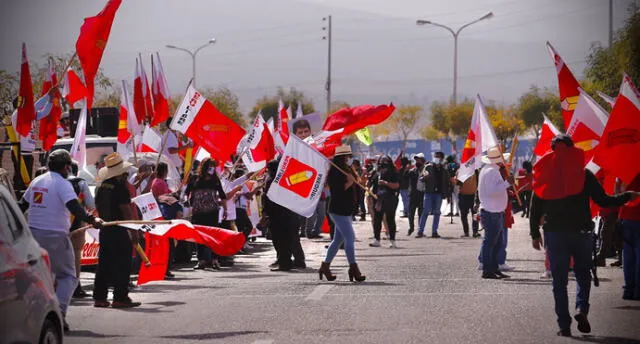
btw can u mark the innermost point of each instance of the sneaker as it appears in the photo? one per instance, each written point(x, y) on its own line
point(101, 304)
point(505, 267)
point(489, 275)
point(476, 235)
point(274, 264)
point(65, 326)
point(392, 244)
point(546, 275)
point(79, 293)
point(410, 232)
point(420, 235)
point(501, 275)
point(375, 243)
point(247, 246)
point(436, 236)
point(125, 304)
point(583, 322)
point(564, 333)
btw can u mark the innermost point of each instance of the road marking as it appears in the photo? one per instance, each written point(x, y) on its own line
point(318, 292)
point(263, 341)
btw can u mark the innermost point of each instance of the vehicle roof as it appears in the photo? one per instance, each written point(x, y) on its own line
point(90, 139)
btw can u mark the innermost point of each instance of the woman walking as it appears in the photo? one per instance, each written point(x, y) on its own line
point(343, 200)
point(206, 197)
point(387, 201)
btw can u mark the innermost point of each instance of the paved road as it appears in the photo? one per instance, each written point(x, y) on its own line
point(426, 291)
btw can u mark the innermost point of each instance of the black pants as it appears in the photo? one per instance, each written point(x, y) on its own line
point(465, 203)
point(388, 209)
point(243, 223)
point(114, 264)
point(359, 208)
point(525, 197)
point(416, 199)
point(286, 241)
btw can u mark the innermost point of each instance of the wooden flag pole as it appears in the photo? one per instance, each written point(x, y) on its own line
point(514, 146)
point(356, 182)
point(73, 57)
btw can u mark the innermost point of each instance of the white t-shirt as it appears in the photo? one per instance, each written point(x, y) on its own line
point(47, 196)
point(172, 142)
point(492, 189)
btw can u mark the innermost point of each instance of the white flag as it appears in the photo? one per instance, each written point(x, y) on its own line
point(79, 148)
point(481, 137)
point(148, 206)
point(251, 159)
point(299, 112)
point(300, 178)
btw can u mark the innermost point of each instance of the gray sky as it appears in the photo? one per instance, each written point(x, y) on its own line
point(380, 55)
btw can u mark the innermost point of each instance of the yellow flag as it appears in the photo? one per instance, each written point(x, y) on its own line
point(364, 136)
point(13, 137)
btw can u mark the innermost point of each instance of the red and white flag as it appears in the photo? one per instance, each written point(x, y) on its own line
point(148, 206)
point(301, 176)
point(223, 242)
point(587, 124)
point(26, 109)
point(73, 89)
point(49, 123)
point(160, 92)
point(619, 147)
point(141, 95)
point(79, 148)
point(358, 117)
point(299, 112)
point(325, 141)
point(281, 130)
point(200, 121)
point(481, 137)
point(567, 85)
point(259, 146)
point(609, 100)
point(127, 124)
point(94, 34)
point(151, 141)
point(547, 133)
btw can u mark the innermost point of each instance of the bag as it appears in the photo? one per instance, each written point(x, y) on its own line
point(203, 201)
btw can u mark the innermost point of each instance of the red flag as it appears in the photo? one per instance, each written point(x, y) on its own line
point(157, 250)
point(141, 94)
point(73, 89)
point(356, 118)
point(127, 124)
point(619, 146)
point(200, 121)
point(547, 133)
point(587, 125)
point(260, 146)
point(26, 109)
point(567, 85)
point(283, 123)
point(160, 92)
point(49, 124)
point(90, 45)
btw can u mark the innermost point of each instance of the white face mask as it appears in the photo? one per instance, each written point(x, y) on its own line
point(349, 161)
point(437, 161)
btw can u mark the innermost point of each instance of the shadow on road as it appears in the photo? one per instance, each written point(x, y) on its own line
point(91, 334)
point(209, 336)
point(606, 340)
point(629, 308)
point(166, 303)
point(528, 281)
point(399, 255)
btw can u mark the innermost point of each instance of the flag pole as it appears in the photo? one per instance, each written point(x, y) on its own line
point(356, 182)
point(73, 57)
point(514, 145)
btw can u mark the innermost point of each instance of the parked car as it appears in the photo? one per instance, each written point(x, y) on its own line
point(28, 303)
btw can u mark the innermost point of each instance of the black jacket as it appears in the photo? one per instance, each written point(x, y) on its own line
point(572, 213)
point(437, 181)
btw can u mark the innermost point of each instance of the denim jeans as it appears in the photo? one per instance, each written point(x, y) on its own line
point(313, 224)
point(493, 224)
point(631, 258)
point(343, 233)
point(404, 195)
point(431, 204)
point(560, 247)
point(502, 253)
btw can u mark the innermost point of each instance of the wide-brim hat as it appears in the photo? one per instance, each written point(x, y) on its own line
point(343, 150)
point(114, 166)
point(495, 156)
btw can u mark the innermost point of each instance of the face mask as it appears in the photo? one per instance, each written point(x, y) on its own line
point(437, 161)
point(211, 170)
point(349, 161)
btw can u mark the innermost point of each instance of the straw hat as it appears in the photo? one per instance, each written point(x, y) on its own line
point(114, 166)
point(494, 156)
point(343, 150)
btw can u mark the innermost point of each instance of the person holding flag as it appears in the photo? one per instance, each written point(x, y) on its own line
point(562, 191)
point(343, 199)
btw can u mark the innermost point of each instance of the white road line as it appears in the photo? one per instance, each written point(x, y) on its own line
point(318, 292)
point(263, 341)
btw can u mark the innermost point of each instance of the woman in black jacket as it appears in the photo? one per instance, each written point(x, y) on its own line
point(386, 202)
point(343, 200)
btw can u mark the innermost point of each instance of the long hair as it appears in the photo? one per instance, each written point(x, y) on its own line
point(341, 161)
point(203, 169)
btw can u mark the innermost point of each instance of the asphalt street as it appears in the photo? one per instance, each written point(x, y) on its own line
point(425, 291)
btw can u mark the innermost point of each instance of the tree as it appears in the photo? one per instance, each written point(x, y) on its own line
point(505, 122)
point(8, 91)
point(534, 103)
point(222, 98)
point(269, 105)
point(429, 132)
point(403, 122)
point(606, 65)
point(337, 105)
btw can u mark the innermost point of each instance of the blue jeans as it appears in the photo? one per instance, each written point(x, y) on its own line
point(493, 224)
point(431, 205)
point(631, 258)
point(344, 233)
point(502, 253)
point(561, 246)
point(404, 195)
point(313, 224)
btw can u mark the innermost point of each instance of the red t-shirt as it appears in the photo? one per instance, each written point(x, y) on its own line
point(631, 211)
point(525, 180)
point(159, 187)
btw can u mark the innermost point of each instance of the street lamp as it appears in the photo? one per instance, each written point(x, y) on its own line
point(455, 34)
point(193, 56)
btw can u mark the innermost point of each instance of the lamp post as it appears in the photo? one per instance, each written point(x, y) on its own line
point(455, 34)
point(193, 56)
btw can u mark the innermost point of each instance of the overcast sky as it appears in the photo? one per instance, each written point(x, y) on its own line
point(379, 54)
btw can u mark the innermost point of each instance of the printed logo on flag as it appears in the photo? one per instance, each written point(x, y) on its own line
point(623, 136)
point(569, 103)
point(37, 197)
point(221, 128)
point(469, 147)
point(297, 177)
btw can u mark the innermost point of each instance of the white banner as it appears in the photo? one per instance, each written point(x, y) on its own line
point(148, 206)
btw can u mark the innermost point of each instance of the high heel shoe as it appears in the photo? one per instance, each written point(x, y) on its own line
point(354, 273)
point(324, 270)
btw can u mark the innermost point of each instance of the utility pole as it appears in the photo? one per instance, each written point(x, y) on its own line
point(328, 39)
point(610, 23)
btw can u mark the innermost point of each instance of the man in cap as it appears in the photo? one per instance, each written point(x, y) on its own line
point(51, 200)
point(562, 191)
point(114, 259)
point(436, 186)
point(492, 192)
point(416, 191)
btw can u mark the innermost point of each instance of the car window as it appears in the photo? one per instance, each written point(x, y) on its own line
point(11, 226)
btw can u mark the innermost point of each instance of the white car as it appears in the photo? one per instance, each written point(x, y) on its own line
point(28, 303)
